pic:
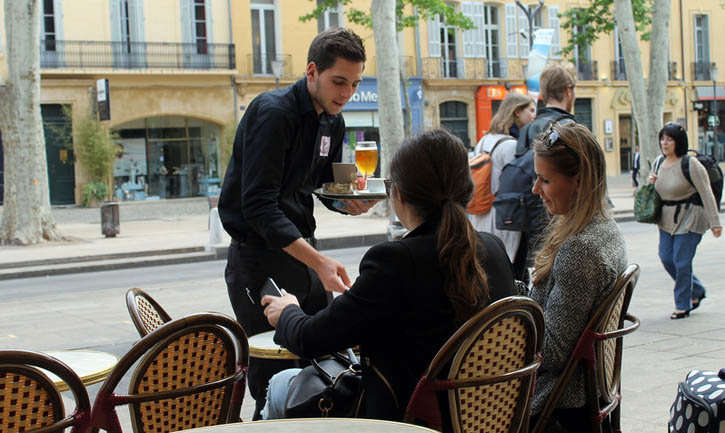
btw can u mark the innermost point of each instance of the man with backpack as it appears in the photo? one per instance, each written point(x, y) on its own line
point(517, 208)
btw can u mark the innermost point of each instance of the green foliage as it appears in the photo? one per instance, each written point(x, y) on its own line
point(93, 192)
point(597, 19)
point(95, 148)
point(426, 10)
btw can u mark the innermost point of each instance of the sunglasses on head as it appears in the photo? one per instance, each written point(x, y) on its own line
point(675, 125)
point(553, 138)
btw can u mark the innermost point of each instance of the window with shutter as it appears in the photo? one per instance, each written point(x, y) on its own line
point(473, 39)
point(434, 38)
point(555, 51)
point(511, 30)
point(523, 33)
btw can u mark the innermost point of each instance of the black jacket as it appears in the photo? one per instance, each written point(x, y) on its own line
point(396, 311)
point(277, 161)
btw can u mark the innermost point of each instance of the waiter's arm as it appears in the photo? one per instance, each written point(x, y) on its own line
point(331, 273)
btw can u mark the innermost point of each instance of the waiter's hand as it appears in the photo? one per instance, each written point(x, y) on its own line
point(273, 306)
point(357, 207)
point(332, 274)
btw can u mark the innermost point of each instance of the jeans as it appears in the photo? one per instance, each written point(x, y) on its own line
point(277, 393)
point(676, 253)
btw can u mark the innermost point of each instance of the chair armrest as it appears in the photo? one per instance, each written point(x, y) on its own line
point(622, 331)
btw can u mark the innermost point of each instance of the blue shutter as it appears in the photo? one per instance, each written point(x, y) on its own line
point(511, 33)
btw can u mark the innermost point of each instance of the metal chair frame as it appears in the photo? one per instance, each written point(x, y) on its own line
point(140, 320)
point(227, 332)
point(25, 364)
point(443, 370)
point(599, 351)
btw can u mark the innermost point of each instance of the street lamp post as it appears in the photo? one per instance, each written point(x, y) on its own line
point(530, 14)
point(714, 119)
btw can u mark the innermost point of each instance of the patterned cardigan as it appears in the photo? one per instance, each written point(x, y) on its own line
point(584, 272)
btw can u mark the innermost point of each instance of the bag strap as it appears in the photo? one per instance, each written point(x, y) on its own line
point(658, 163)
point(499, 141)
point(685, 165)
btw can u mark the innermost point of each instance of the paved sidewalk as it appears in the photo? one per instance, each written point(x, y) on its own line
point(155, 227)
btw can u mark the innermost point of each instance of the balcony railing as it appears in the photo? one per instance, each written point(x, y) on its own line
point(672, 71)
point(466, 68)
point(619, 73)
point(263, 65)
point(587, 71)
point(701, 70)
point(135, 55)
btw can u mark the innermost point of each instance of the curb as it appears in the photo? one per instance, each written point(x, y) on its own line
point(178, 256)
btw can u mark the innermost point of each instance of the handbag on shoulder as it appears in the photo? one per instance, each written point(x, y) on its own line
point(330, 387)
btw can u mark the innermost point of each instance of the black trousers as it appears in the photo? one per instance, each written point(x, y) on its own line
point(249, 267)
point(635, 181)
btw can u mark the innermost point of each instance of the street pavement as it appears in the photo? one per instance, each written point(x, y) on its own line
point(88, 310)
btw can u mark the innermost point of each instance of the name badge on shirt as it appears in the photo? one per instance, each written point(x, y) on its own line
point(324, 145)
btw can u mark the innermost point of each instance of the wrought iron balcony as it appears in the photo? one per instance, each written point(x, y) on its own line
point(587, 71)
point(55, 54)
point(264, 65)
point(619, 73)
point(701, 71)
point(462, 68)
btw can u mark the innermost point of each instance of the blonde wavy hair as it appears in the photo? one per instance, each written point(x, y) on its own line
point(575, 152)
point(506, 114)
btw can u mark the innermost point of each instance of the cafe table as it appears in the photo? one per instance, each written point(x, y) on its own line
point(263, 346)
point(314, 425)
point(91, 366)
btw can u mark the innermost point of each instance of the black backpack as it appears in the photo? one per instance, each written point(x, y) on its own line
point(713, 172)
point(517, 208)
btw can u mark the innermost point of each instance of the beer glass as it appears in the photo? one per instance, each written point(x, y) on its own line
point(366, 157)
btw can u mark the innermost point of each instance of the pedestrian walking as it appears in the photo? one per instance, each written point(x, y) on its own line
point(688, 211)
point(635, 167)
point(515, 112)
point(284, 148)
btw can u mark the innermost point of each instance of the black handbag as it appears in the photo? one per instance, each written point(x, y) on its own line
point(329, 387)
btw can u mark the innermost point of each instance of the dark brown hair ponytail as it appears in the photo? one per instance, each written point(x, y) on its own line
point(430, 171)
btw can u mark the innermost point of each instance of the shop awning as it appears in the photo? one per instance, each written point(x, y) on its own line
point(704, 93)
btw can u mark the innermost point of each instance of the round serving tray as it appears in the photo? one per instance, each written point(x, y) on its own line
point(357, 195)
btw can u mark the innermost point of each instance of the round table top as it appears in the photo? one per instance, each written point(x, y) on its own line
point(314, 425)
point(90, 365)
point(263, 346)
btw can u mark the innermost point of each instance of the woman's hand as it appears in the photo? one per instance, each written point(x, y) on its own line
point(651, 178)
point(275, 304)
point(716, 231)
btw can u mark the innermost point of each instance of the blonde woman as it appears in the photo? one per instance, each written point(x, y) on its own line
point(583, 253)
point(515, 112)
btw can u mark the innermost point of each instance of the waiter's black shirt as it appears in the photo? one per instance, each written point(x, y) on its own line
point(282, 151)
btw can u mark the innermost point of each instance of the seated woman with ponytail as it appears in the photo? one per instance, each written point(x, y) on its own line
point(412, 294)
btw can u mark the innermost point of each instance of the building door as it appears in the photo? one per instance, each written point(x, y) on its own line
point(59, 153)
point(454, 118)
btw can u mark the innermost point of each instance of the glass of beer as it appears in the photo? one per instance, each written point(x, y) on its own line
point(366, 158)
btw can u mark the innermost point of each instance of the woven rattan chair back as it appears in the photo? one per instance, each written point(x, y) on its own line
point(30, 402)
point(487, 368)
point(190, 373)
point(146, 313)
point(599, 351)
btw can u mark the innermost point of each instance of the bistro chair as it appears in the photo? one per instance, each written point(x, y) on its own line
point(29, 402)
point(188, 373)
point(598, 354)
point(145, 312)
point(487, 369)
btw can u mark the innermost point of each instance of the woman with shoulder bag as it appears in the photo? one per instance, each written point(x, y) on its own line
point(687, 212)
point(515, 112)
point(412, 294)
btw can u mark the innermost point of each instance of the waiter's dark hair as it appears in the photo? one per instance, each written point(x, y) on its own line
point(430, 172)
point(333, 43)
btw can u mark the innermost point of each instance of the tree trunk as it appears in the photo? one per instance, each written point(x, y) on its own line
point(647, 99)
point(26, 217)
point(390, 109)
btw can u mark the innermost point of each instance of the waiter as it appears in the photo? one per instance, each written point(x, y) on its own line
point(283, 149)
